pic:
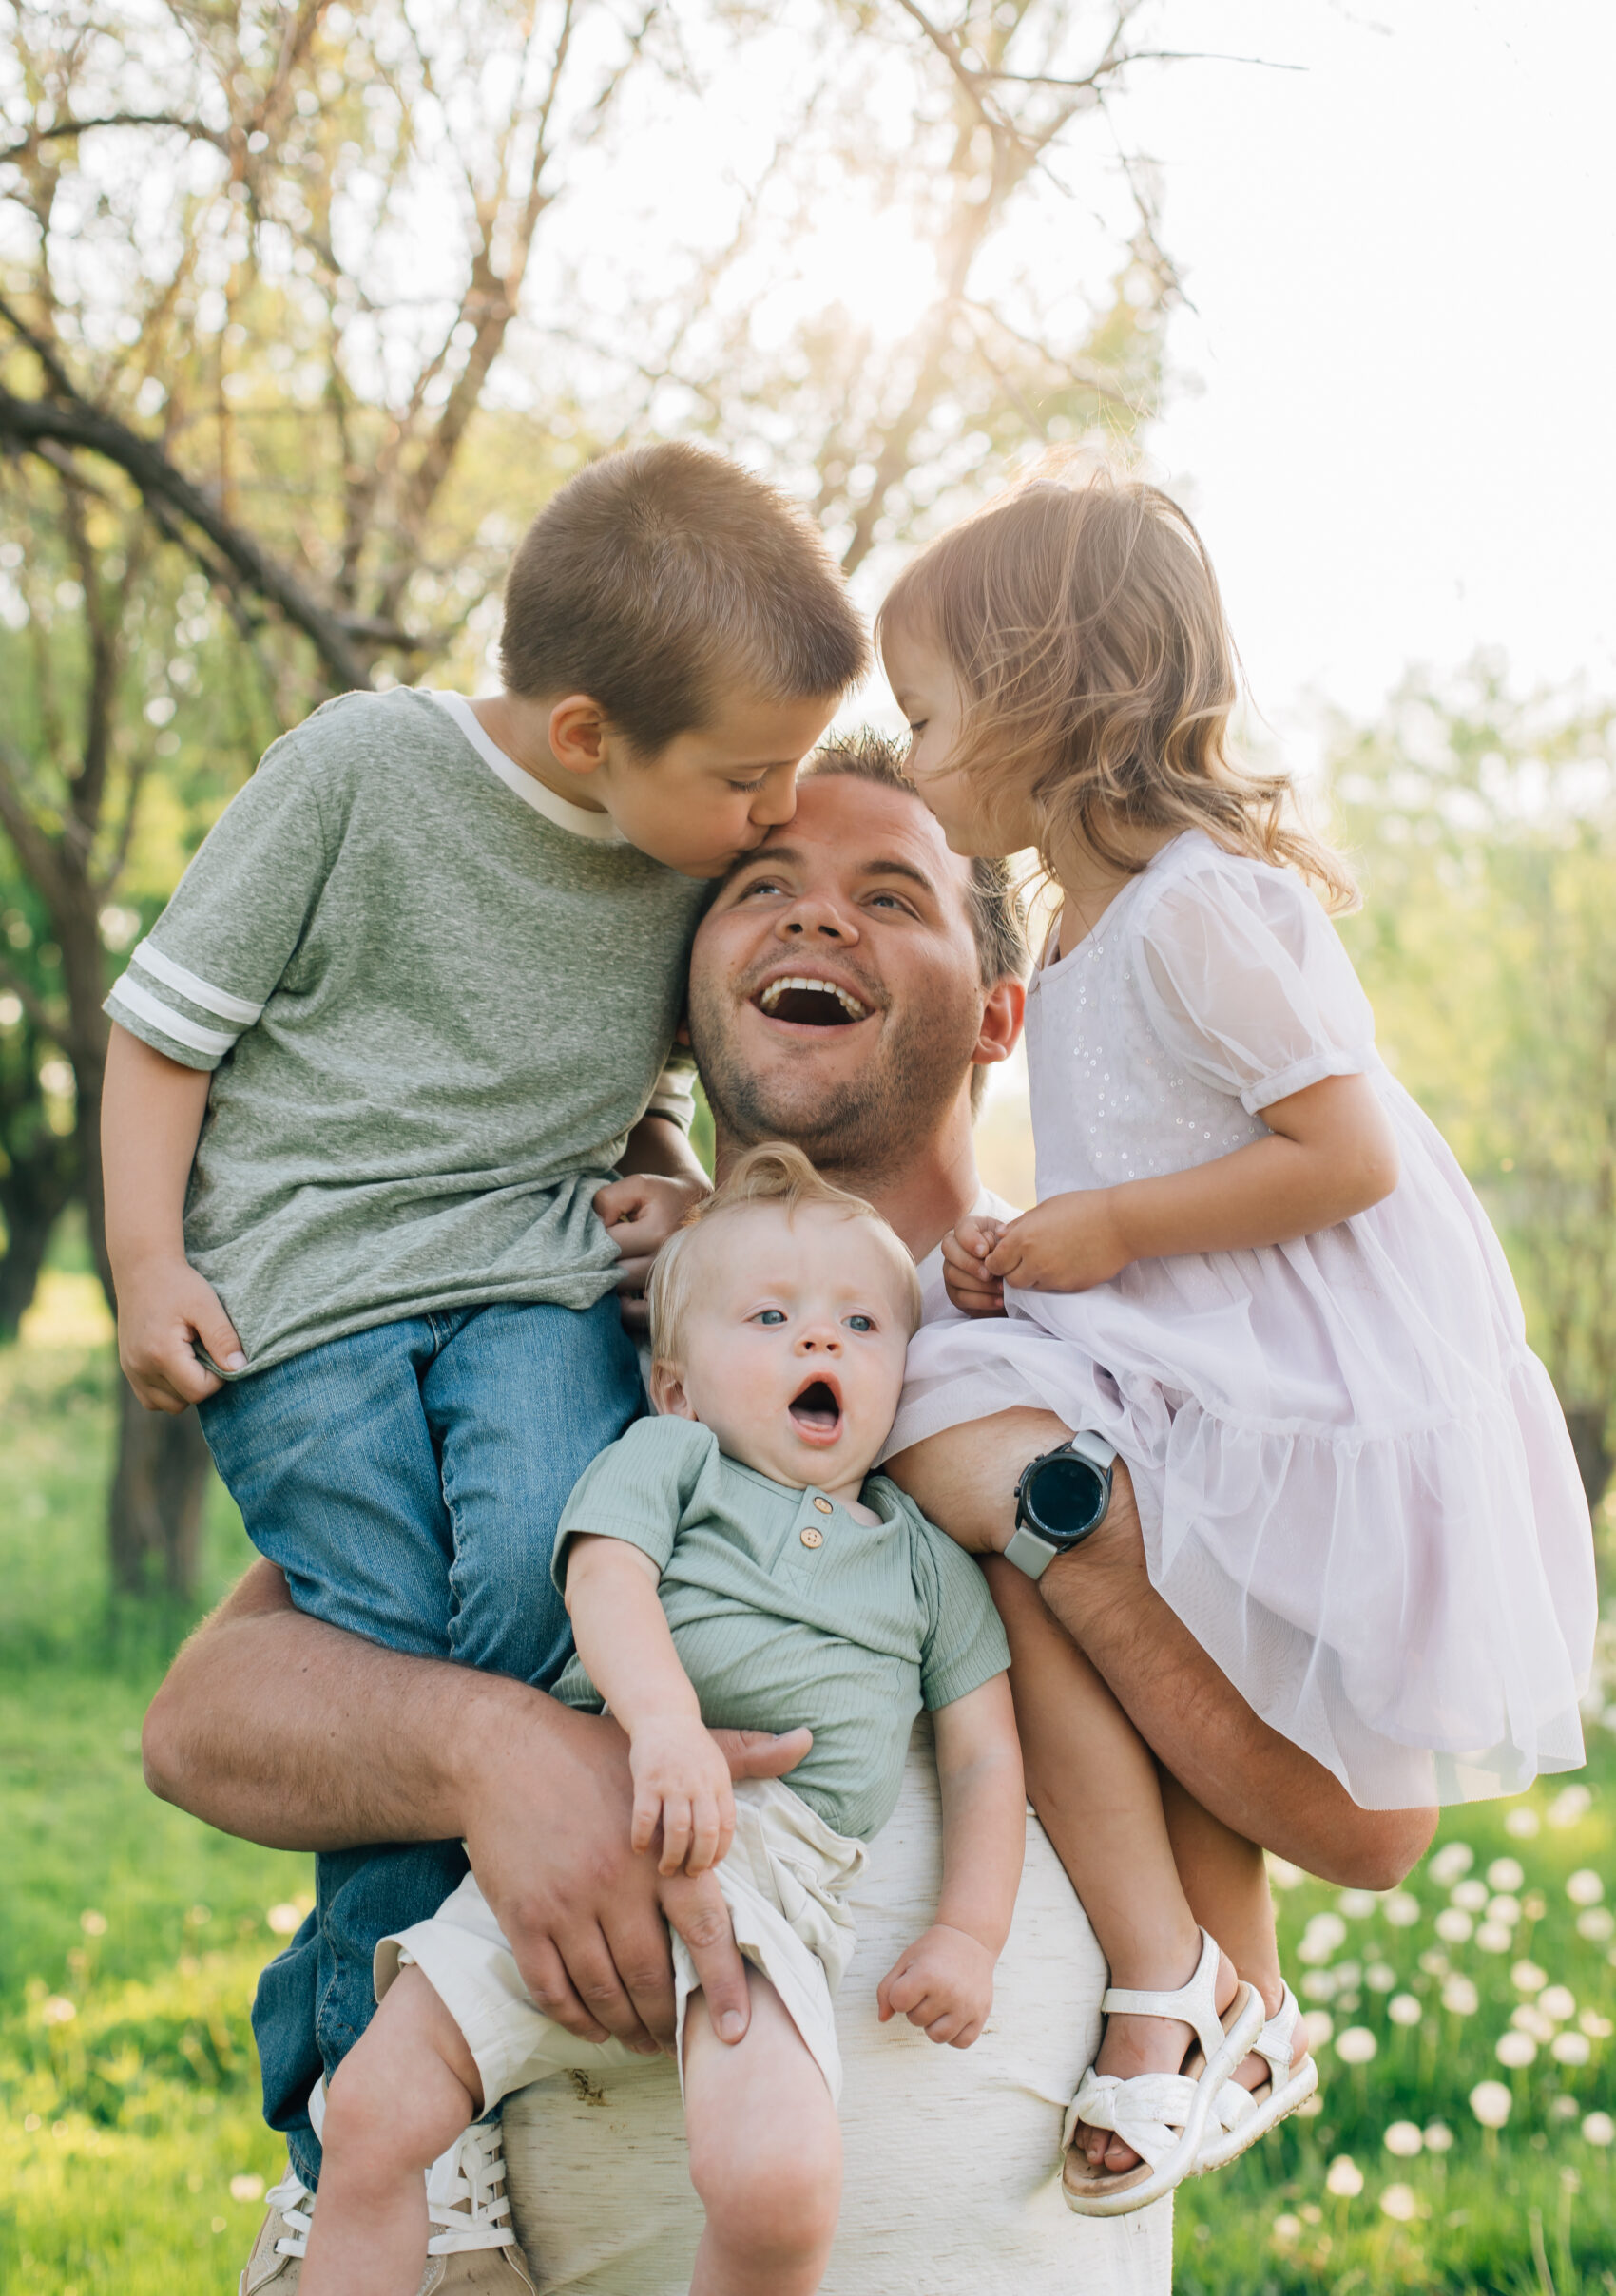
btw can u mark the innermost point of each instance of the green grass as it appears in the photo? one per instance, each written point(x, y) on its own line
point(132, 2156)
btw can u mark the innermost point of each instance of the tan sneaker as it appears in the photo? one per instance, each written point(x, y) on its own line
point(473, 2247)
point(277, 2260)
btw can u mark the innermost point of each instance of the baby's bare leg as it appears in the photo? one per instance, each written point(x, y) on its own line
point(765, 2154)
point(401, 2098)
point(1097, 1790)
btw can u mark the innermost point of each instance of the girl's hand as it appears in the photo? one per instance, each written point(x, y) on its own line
point(972, 1291)
point(1064, 1244)
point(943, 1984)
point(681, 1784)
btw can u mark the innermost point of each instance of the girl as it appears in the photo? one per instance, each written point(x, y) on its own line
point(1255, 1271)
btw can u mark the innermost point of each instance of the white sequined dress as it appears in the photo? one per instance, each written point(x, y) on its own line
point(1355, 1480)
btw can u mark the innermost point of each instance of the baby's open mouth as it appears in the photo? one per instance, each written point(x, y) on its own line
point(811, 1004)
point(817, 1411)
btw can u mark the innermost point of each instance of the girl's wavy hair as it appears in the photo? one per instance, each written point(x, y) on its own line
point(774, 1172)
point(1084, 621)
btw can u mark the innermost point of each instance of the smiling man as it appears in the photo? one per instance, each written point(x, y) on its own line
point(851, 987)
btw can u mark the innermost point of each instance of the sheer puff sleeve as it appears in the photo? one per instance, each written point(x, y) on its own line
point(1246, 983)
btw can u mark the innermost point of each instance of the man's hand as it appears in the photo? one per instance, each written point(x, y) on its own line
point(639, 1213)
point(972, 1291)
point(943, 1984)
point(1064, 1244)
point(164, 1308)
point(682, 1786)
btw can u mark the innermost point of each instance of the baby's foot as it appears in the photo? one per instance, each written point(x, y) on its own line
point(1134, 2044)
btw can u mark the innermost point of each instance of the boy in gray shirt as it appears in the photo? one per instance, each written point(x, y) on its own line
point(728, 1564)
point(374, 1070)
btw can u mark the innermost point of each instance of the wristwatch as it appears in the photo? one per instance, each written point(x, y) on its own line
point(1063, 1497)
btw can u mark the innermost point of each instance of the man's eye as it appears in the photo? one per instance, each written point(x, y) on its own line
point(891, 901)
point(769, 1315)
point(861, 1323)
point(760, 885)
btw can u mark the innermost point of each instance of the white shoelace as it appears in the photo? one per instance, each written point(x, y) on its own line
point(466, 2195)
point(294, 2199)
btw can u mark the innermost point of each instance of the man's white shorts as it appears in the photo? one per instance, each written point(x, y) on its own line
point(785, 1881)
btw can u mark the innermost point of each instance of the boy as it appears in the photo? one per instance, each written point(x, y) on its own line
point(729, 1565)
point(373, 1074)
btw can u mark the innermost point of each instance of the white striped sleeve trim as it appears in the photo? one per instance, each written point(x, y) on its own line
point(193, 987)
point(156, 1015)
point(675, 1096)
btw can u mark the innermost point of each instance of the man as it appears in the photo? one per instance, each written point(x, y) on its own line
point(849, 988)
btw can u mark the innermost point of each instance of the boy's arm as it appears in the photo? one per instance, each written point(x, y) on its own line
point(681, 1780)
point(944, 1982)
point(151, 1113)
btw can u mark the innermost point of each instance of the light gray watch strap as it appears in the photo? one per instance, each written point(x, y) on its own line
point(1093, 1447)
point(1030, 1554)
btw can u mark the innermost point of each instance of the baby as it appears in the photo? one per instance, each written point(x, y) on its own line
point(728, 1564)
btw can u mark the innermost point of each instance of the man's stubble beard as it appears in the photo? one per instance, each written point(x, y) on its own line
point(869, 1123)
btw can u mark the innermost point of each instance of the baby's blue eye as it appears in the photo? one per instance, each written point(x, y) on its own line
point(863, 1323)
point(772, 1316)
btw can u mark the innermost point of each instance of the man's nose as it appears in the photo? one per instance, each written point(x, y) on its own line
point(814, 917)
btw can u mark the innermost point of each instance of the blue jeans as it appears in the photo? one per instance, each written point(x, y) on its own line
point(409, 1480)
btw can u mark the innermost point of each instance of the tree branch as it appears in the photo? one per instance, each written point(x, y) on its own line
point(36, 136)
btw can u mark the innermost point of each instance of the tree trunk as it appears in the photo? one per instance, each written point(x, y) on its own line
point(154, 1517)
point(33, 1193)
point(1588, 1423)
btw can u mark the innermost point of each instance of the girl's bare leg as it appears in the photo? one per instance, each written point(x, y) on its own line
point(401, 2098)
point(1225, 1880)
point(765, 2154)
point(1095, 1786)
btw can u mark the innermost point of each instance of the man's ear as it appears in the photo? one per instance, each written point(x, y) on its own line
point(668, 1392)
point(577, 734)
point(1003, 1012)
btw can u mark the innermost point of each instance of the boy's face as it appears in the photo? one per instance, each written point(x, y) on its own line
point(713, 793)
point(794, 1343)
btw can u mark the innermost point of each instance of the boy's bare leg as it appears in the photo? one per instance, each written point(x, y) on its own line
point(401, 2097)
point(765, 2154)
point(1097, 1791)
point(1188, 1713)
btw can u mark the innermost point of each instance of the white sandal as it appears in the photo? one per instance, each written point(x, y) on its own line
point(1239, 2116)
point(1162, 2115)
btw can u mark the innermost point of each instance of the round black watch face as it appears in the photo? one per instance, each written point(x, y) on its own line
point(1067, 1496)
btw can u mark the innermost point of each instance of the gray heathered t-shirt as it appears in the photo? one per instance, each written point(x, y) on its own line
point(435, 998)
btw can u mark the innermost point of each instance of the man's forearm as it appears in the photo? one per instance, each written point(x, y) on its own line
point(287, 1731)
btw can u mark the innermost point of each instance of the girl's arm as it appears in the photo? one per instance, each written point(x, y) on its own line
point(151, 1113)
point(1330, 1152)
point(682, 1782)
point(944, 1982)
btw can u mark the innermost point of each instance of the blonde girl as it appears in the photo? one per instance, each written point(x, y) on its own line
point(1255, 1271)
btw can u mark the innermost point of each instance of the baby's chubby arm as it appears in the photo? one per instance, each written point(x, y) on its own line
point(944, 1981)
point(682, 1782)
point(151, 1113)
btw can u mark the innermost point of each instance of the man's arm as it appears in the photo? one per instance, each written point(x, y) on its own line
point(289, 1732)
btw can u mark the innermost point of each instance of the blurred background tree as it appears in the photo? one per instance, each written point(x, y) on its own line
point(1484, 826)
point(305, 308)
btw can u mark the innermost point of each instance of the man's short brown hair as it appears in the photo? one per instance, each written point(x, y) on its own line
point(660, 578)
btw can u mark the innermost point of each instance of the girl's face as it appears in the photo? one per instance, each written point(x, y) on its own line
point(929, 695)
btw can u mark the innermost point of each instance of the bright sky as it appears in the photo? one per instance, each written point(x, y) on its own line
point(1395, 417)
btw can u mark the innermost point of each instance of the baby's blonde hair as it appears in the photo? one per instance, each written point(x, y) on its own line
point(775, 1173)
point(1082, 619)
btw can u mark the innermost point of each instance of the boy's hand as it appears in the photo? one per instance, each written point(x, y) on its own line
point(639, 1213)
point(972, 1291)
point(162, 1309)
point(943, 1984)
point(1064, 1244)
point(681, 1784)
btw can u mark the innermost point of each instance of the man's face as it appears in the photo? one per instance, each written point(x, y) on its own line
point(836, 991)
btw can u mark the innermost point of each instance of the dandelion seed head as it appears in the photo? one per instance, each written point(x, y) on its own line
point(1401, 1908)
point(1597, 2028)
point(58, 2010)
point(1343, 2178)
point(1596, 1924)
point(1318, 2025)
point(92, 1923)
point(1403, 2009)
point(1515, 2050)
point(1380, 1976)
point(1599, 2129)
point(1357, 2045)
point(1491, 2102)
point(1357, 1904)
point(1451, 1861)
point(1571, 2048)
point(1558, 2001)
point(1460, 1996)
point(1404, 2139)
point(246, 2187)
point(1438, 2136)
point(1494, 1937)
point(1523, 1822)
point(1570, 1806)
point(1400, 2203)
point(284, 1921)
point(1453, 1925)
point(1287, 2228)
point(1527, 1977)
point(1471, 1895)
point(1505, 1873)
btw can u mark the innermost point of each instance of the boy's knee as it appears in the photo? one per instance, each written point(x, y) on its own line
point(775, 2202)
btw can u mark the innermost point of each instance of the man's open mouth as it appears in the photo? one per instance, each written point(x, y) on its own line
point(817, 1411)
point(810, 1004)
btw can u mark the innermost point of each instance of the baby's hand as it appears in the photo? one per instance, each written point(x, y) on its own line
point(943, 1984)
point(681, 1784)
point(972, 1291)
point(1064, 1244)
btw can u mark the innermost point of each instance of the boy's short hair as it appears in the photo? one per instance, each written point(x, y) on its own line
point(998, 917)
point(772, 1173)
point(658, 578)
